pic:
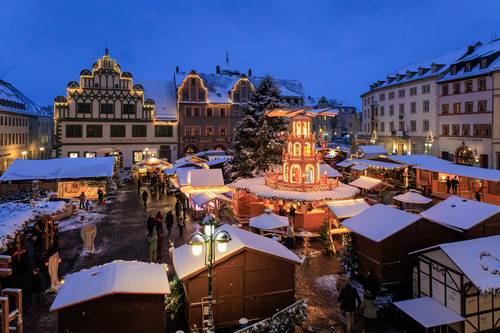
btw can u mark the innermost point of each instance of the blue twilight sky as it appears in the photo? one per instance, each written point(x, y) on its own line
point(336, 48)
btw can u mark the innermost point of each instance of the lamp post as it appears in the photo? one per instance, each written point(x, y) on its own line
point(207, 240)
point(42, 149)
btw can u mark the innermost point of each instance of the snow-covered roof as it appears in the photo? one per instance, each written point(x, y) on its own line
point(205, 178)
point(462, 170)
point(59, 168)
point(182, 175)
point(380, 221)
point(418, 159)
point(428, 312)
point(329, 171)
point(258, 187)
point(14, 216)
point(269, 220)
point(412, 197)
point(203, 198)
point(359, 167)
point(460, 213)
point(18, 102)
point(186, 263)
point(372, 150)
point(421, 69)
point(217, 161)
point(164, 94)
point(366, 183)
point(476, 258)
point(219, 85)
point(377, 164)
point(344, 163)
point(347, 208)
point(117, 277)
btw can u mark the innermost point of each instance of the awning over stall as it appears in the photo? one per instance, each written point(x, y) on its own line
point(366, 183)
point(343, 209)
point(202, 199)
point(359, 167)
point(428, 312)
point(412, 197)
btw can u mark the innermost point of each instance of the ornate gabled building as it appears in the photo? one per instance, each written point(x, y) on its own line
point(25, 128)
point(105, 113)
point(210, 105)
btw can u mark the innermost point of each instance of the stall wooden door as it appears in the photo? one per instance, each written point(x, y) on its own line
point(228, 293)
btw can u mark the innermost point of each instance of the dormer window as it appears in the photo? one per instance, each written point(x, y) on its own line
point(453, 69)
point(484, 63)
point(468, 67)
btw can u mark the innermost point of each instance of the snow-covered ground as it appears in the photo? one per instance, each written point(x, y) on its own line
point(79, 219)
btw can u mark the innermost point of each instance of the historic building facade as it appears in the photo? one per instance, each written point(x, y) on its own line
point(25, 128)
point(466, 108)
point(211, 105)
point(400, 111)
point(106, 114)
point(343, 124)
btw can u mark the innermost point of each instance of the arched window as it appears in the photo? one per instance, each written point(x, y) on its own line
point(304, 129)
point(309, 174)
point(296, 149)
point(295, 173)
point(307, 149)
point(298, 128)
point(285, 172)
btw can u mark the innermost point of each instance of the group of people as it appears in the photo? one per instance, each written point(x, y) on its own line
point(156, 230)
point(157, 185)
point(84, 203)
point(452, 184)
point(350, 302)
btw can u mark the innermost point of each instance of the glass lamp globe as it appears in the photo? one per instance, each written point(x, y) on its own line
point(222, 238)
point(196, 241)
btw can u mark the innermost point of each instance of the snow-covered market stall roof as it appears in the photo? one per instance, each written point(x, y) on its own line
point(268, 220)
point(461, 170)
point(366, 183)
point(152, 163)
point(59, 169)
point(117, 277)
point(202, 180)
point(330, 172)
point(186, 264)
point(343, 209)
point(359, 167)
point(258, 187)
point(201, 199)
point(378, 164)
point(372, 150)
point(344, 163)
point(459, 213)
point(476, 258)
point(412, 197)
point(428, 312)
point(380, 222)
point(16, 215)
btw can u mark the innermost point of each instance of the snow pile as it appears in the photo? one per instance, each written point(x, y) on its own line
point(79, 219)
point(14, 216)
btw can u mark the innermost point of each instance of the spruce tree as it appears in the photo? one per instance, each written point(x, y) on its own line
point(258, 140)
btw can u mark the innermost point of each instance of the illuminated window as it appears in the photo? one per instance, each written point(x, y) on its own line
point(307, 149)
point(309, 174)
point(138, 156)
point(295, 173)
point(296, 149)
point(73, 154)
point(89, 154)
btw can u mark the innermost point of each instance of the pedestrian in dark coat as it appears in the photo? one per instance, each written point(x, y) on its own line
point(180, 225)
point(178, 209)
point(477, 196)
point(454, 184)
point(100, 196)
point(159, 234)
point(151, 225)
point(349, 301)
point(368, 310)
point(169, 221)
point(372, 283)
point(291, 213)
point(82, 200)
point(145, 199)
point(448, 184)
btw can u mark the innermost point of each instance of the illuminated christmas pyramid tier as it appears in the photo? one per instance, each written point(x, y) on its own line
point(301, 163)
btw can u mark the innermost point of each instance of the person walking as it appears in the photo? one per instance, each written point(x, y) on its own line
point(477, 196)
point(100, 196)
point(169, 221)
point(82, 200)
point(153, 247)
point(159, 234)
point(150, 225)
point(180, 225)
point(291, 213)
point(290, 236)
point(368, 310)
point(448, 184)
point(145, 199)
point(349, 301)
point(454, 185)
point(178, 208)
point(372, 283)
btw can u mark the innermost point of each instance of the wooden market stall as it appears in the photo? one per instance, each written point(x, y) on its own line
point(344, 209)
point(461, 277)
point(67, 177)
point(120, 296)
point(371, 188)
point(465, 219)
point(150, 165)
point(253, 278)
point(382, 238)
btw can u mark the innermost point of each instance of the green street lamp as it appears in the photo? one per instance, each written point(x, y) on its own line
point(206, 241)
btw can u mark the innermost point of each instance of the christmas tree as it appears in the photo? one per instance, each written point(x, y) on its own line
point(258, 140)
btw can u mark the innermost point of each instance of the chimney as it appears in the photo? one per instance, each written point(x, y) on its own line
point(217, 69)
point(177, 69)
point(249, 72)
